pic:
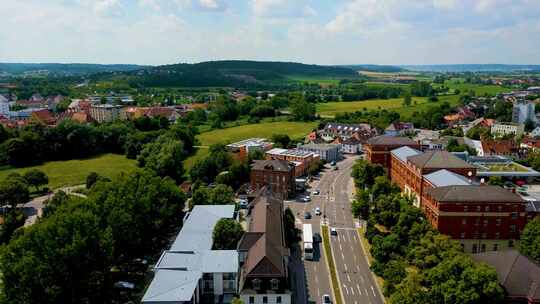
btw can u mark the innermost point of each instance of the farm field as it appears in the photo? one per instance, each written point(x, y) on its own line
point(479, 89)
point(74, 172)
point(265, 130)
point(332, 108)
point(324, 81)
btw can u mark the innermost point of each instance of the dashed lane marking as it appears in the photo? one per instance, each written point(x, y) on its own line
point(359, 290)
point(373, 290)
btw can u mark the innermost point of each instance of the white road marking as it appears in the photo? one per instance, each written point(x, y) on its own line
point(365, 289)
point(340, 248)
point(342, 256)
point(345, 265)
point(373, 290)
point(359, 291)
point(346, 290)
point(352, 291)
point(362, 278)
point(348, 278)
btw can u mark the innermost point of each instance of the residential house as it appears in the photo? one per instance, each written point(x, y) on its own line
point(105, 112)
point(332, 130)
point(399, 128)
point(190, 271)
point(516, 273)
point(351, 146)
point(263, 254)
point(275, 175)
point(44, 117)
point(501, 129)
point(4, 106)
point(536, 132)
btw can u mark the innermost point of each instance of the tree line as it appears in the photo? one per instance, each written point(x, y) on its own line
point(418, 264)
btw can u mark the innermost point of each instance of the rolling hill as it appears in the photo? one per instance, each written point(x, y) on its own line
point(68, 69)
point(235, 73)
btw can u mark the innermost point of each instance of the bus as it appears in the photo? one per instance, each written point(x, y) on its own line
point(307, 242)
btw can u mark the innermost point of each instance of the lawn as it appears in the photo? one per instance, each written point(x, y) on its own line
point(295, 130)
point(74, 172)
point(396, 104)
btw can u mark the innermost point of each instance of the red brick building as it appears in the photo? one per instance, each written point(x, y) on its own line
point(276, 175)
point(378, 148)
point(481, 217)
point(409, 166)
point(301, 159)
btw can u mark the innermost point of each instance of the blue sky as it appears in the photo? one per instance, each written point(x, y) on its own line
point(316, 31)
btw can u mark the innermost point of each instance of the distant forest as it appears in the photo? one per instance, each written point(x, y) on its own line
point(66, 69)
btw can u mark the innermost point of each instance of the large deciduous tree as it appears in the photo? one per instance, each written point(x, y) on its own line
point(226, 234)
point(530, 240)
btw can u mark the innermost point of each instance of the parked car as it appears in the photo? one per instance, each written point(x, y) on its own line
point(316, 192)
point(243, 204)
point(333, 163)
point(317, 211)
point(333, 231)
point(326, 299)
point(317, 237)
point(307, 215)
point(305, 199)
point(124, 285)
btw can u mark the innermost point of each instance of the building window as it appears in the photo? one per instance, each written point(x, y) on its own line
point(265, 299)
point(251, 300)
point(256, 284)
point(478, 208)
point(512, 228)
point(497, 235)
point(485, 222)
point(500, 208)
point(487, 208)
point(278, 299)
point(464, 221)
point(465, 208)
point(484, 235)
point(495, 247)
point(462, 235)
point(510, 243)
point(514, 215)
point(275, 284)
point(483, 248)
point(498, 221)
point(474, 248)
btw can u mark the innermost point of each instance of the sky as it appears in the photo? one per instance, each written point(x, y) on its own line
point(155, 32)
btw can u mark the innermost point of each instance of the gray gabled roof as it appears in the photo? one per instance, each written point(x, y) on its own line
point(386, 140)
point(403, 152)
point(442, 178)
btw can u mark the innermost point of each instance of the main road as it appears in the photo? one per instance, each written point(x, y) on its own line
point(355, 278)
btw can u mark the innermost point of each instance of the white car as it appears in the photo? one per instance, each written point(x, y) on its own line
point(326, 299)
point(333, 231)
point(317, 211)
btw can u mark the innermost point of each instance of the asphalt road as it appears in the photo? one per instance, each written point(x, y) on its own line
point(356, 281)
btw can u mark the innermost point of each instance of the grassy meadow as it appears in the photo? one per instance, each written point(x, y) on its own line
point(265, 130)
point(330, 109)
point(74, 172)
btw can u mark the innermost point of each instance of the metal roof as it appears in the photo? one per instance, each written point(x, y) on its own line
point(179, 269)
point(404, 152)
point(442, 178)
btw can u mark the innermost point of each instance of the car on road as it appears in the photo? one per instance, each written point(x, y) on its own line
point(316, 192)
point(333, 163)
point(243, 204)
point(317, 211)
point(305, 199)
point(317, 237)
point(333, 231)
point(307, 215)
point(326, 299)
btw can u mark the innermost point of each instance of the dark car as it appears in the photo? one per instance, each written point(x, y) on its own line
point(317, 237)
point(307, 215)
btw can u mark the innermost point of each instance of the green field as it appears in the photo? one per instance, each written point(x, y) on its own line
point(332, 108)
point(479, 89)
point(324, 81)
point(74, 172)
point(265, 130)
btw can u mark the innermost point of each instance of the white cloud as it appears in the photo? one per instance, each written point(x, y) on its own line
point(106, 6)
point(444, 4)
point(282, 9)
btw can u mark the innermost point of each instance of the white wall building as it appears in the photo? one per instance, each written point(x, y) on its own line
point(523, 111)
point(507, 128)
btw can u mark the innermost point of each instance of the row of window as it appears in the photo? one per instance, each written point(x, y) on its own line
point(484, 235)
point(486, 221)
point(274, 283)
point(265, 299)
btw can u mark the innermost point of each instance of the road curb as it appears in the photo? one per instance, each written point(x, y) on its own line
point(369, 264)
point(335, 267)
